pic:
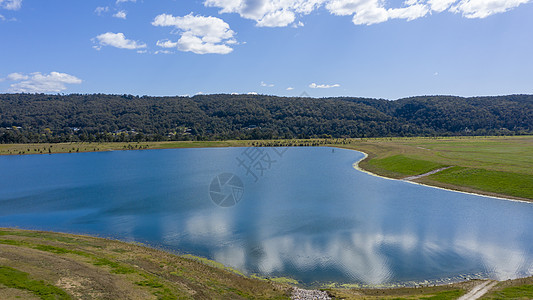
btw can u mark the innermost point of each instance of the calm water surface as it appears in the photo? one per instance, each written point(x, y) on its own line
point(309, 215)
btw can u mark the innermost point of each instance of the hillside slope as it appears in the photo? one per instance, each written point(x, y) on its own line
point(26, 118)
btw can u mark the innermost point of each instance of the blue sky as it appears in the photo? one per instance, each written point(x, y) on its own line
point(365, 48)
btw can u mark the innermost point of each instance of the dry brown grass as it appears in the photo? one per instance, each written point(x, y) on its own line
point(73, 263)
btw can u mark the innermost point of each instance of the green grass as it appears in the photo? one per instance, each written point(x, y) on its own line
point(422, 293)
point(211, 263)
point(516, 292)
point(47, 248)
point(116, 268)
point(161, 291)
point(48, 236)
point(12, 242)
point(446, 295)
point(405, 166)
point(151, 283)
point(518, 185)
point(13, 278)
point(501, 166)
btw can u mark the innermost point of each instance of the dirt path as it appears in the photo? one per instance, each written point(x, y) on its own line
point(479, 290)
point(410, 178)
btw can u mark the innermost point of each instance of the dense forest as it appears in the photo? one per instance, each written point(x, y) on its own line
point(26, 118)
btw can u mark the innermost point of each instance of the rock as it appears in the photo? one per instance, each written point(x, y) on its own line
point(301, 294)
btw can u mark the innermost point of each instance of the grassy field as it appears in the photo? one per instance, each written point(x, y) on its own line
point(13, 149)
point(46, 265)
point(497, 166)
point(402, 165)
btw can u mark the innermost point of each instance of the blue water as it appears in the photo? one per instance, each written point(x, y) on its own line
point(303, 213)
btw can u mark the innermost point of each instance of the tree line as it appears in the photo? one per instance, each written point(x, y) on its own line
point(35, 118)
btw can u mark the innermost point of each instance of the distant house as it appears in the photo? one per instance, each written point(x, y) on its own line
point(124, 131)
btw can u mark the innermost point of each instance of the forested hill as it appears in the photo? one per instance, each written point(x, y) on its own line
point(99, 117)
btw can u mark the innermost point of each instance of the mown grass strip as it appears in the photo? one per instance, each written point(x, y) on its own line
point(20, 280)
point(403, 165)
point(513, 184)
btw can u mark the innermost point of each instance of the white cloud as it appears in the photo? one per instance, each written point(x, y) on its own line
point(290, 88)
point(122, 1)
point(117, 40)
point(323, 86)
point(267, 13)
point(440, 5)
point(252, 93)
point(200, 35)
point(409, 13)
point(163, 52)
point(41, 83)
point(11, 4)
point(4, 19)
point(281, 13)
point(191, 43)
point(348, 7)
point(485, 8)
point(167, 44)
point(299, 24)
point(266, 84)
point(368, 12)
point(121, 14)
point(17, 77)
point(101, 9)
point(280, 18)
point(371, 15)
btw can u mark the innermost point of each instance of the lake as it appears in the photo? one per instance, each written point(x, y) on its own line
point(303, 213)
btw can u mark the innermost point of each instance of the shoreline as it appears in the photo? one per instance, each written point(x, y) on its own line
point(109, 147)
point(411, 285)
point(358, 168)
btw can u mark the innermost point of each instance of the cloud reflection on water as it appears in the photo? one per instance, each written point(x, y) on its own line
point(312, 217)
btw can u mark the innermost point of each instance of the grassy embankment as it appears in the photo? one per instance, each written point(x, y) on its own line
point(518, 289)
point(46, 265)
point(512, 289)
point(497, 166)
